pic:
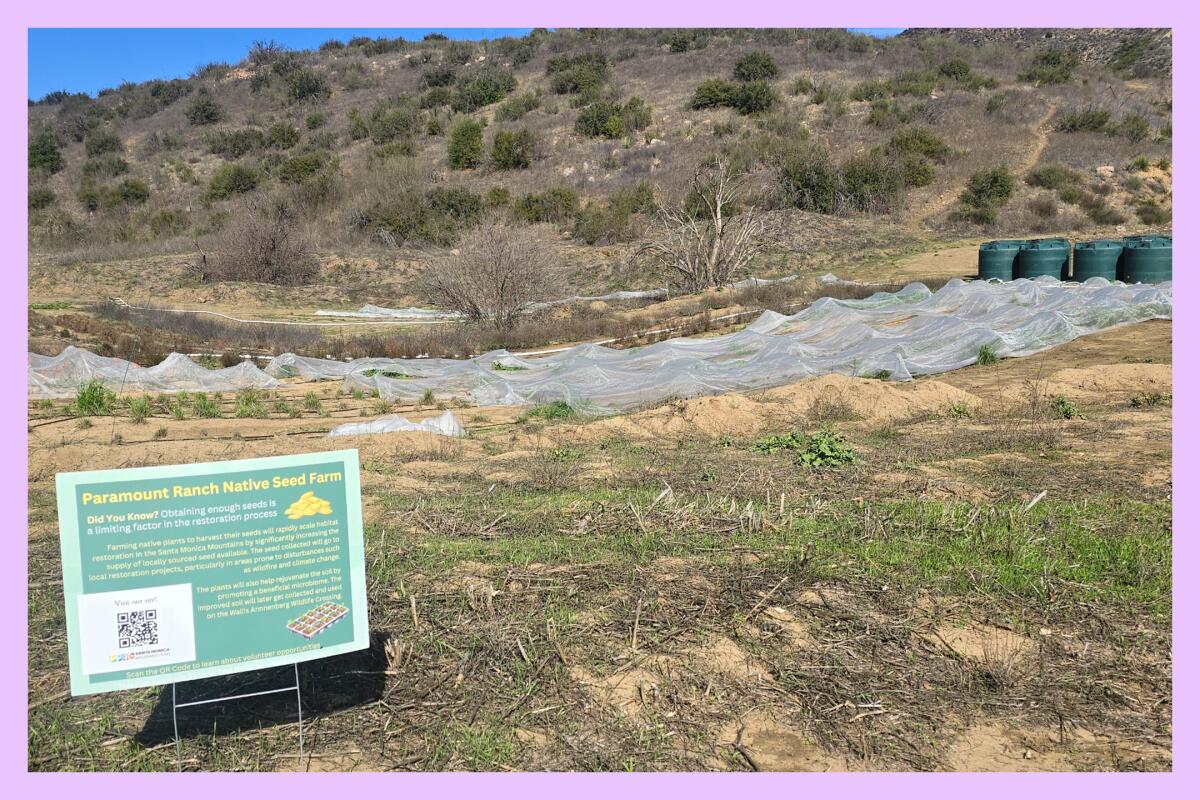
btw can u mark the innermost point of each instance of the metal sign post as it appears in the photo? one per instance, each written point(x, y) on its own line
point(299, 711)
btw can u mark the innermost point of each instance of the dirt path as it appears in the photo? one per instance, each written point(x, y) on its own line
point(1041, 137)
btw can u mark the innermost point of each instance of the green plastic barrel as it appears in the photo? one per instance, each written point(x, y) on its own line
point(1097, 259)
point(1147, 260)
point(1045, 257)
point(998, 259)
point(1141, 237)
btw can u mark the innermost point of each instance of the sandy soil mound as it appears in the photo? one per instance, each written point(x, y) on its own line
point(805, 403)
point(1094, 382)
point(872, 400)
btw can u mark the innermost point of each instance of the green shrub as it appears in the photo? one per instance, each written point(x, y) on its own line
point(465, 146)
point(436, 97)
point(93, 399)
point(301, 167)
point(130, 191)
point(916, 171)
point(602, 118)
point(558, 204)
point(518, 106)
point(99, 142)
point(584, 74)
point(480, 88)
point(40, 197)
point(995, 102)
point(873, 183)
point(1083, 119)
point(204, 110)
point(956, 69)
point(635, 114)
point(168, 222)
point(513, 149)
point(919, 141)
point(827, 93)
point(754, 97)
point(231, 179)
point(747, 98)
point(810, 181)
point(304, 85)
point(1050, 67)
point(755, 66)
point(283, 136)
point(802, 85)
point(987, 355)
point(44, 155)
point(1132, 126)
point(713, 93)
point(1063, 408)
point(434, 217)
point(393, 118)
point(1149, 399)
point(871, 90)
point(1053, 177)
point(235, 144)
point(497, 197)
point(441, 75)
point(612, 221)
point(109, 165)
point(1139, 164)
point(1151, 213)
point(986, 191)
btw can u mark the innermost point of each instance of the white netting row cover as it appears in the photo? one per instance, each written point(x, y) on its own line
point(413, 314)
point(906, 333)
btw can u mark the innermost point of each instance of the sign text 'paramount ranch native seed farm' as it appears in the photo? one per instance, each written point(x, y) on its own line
point(190, 571)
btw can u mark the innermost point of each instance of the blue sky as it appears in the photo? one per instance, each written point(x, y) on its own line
point(91, 59)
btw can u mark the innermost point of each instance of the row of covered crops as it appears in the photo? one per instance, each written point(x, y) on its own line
point(1135, 259)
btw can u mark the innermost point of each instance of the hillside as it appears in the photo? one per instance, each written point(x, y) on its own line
point(595, 127)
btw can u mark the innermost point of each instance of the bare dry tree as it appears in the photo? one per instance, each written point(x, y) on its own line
point(497, 271)
point(265, 244)
point(705, 240)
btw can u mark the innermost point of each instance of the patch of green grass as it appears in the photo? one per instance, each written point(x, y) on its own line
point(880, 375)
point(160, 433)
point(559, 409)
point(1103, 548)
point(93, 399)
point(502, 367)
point(59, 305)
point(987, 355)
point(249, 405)
point(312, 402)
point(139, 408)
point(428, 398)
point(205, 407)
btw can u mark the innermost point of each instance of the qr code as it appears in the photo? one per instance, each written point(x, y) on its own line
point(137, 628)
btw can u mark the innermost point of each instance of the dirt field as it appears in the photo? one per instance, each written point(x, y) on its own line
point(985, 587)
